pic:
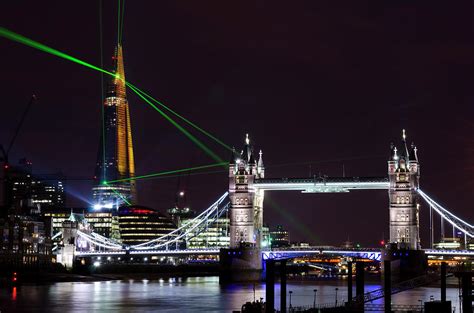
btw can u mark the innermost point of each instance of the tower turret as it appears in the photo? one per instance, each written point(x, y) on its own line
point(260, 166)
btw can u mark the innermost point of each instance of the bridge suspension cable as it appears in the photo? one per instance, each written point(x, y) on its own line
point(56, 235)
point(189, 229)
point(455, 221)
point(97, 241)
point(105, 240)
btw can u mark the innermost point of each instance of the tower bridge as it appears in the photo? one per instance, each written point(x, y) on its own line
point(244, 203)
point(247, 184)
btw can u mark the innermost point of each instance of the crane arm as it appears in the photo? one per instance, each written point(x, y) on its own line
point(18, 127)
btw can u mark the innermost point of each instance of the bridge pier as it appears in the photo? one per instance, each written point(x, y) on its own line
point(283, 286)
point(270, 286)
point(349, 282)
point(360, 280)
point(387, 286)
point(405, 263)
point(242, 264)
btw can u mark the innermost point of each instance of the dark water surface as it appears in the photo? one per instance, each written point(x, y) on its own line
point(196, 294)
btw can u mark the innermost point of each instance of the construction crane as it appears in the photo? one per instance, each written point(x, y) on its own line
point(5, 152)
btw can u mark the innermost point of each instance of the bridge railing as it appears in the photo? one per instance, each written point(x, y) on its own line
point(94, 240)
point(397, 288)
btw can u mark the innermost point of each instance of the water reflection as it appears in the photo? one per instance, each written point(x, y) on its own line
point(196, 294)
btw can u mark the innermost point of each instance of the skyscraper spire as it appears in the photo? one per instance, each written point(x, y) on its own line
point(116, 158)
point(117, 87)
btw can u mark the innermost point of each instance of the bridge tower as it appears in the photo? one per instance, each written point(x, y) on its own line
point(404, 177)
point(242, 261)
point(246, 211)
point(67, 251)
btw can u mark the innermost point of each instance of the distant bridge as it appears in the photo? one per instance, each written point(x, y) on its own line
point(369, 254)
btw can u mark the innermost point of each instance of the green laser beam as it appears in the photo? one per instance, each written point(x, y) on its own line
point(168, 172)
point(119, 194)
point(102, 87)
point(183, 118)
point(291, 219)
point(179, 127)
point(34, 44)
point(121, 22)
point(190, 174)
point(118, 21)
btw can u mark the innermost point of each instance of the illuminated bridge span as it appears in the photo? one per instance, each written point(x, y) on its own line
point(369, 254)
point(323, 184)
point(168, 244)
point(244, 205)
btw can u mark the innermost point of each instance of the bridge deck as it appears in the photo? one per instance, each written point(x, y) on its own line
point(368, 253)
point(323, 184)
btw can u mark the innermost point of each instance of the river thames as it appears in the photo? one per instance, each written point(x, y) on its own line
point(195, 294)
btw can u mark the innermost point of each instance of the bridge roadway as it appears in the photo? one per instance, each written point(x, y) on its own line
point(372, 254)
point(323, 184)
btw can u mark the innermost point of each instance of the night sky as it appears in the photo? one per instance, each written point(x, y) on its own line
point(316, 86)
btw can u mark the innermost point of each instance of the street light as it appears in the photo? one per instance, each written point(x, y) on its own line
point(336, 294)
point(290, 298)
point(314, 299)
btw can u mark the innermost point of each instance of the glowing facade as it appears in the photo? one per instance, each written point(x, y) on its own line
point(246, 210)
point(404, 176)
point(115, 158)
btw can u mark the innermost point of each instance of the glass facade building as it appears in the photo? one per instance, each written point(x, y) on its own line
point(215, 235)
point(138, 224)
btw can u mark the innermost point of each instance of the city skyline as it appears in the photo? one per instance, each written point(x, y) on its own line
point(247, 99)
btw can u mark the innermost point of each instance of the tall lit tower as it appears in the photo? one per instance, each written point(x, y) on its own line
point(115, 158)
point(404, 176)
point(246, 212)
